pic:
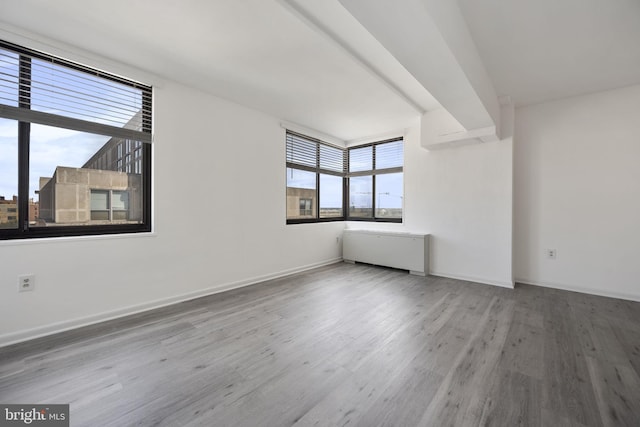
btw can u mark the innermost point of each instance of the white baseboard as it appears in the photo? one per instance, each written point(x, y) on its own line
point(484, 281)
point(66, 325)
point(581, 289)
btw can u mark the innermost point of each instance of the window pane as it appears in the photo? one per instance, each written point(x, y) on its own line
point(301, 151)
point(361, 159)
point(389, 155)
point(306, 206)
point(389, 195)
point(99, 200)
point(120, 201)
point(361, 196)
point(330, 196)
point(301, 185)
point(72, 93)
point(8, 78)
point(71, 173)
point(100, 205)
point(331, 158)
point(120, 205)
point(8, 173)
point(120, 215)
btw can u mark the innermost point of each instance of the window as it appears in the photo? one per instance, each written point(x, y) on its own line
point(75, 148)
point(120, 205)
point(109, 205)
point(100, 205)
point(315, 180)
point(376, 181)
point(319, 176)
point(305, 207)
point(361, 197)
point(301, 185)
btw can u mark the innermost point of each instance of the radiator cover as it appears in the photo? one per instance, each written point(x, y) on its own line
point(406, 251)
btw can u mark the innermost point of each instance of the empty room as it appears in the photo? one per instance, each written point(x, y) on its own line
point(320, 213)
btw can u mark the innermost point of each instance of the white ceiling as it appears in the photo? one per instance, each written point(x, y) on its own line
point(255, 52)
point(310, 62)
point(539, 50)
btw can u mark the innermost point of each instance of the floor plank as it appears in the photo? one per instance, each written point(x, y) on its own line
point(346, 345)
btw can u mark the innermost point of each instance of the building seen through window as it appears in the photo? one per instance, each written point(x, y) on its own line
point(69, 196)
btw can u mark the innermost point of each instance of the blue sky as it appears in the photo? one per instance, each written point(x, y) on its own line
point(63, 91)
point(388, 189)
point(8, 158)
point(50, 147)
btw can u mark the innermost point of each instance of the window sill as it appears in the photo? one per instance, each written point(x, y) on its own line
point(66, 239)
point(323, 220)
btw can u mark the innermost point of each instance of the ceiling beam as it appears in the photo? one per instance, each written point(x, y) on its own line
point(431, 40)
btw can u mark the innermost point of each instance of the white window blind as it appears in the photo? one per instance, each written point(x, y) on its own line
point(310, 154)
point(40, 88)
point(361, 159)
point(389, 155)
point(331, 158)
point(377, 158)
point(301, 151)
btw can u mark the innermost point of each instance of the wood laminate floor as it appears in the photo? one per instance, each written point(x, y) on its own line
point(352, 345)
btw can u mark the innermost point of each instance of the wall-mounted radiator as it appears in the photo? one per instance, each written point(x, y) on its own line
point(406, 251)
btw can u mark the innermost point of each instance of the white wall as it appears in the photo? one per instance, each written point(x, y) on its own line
point(463, 197)
point(577, 190)
point(219, 217)
point(219, 195)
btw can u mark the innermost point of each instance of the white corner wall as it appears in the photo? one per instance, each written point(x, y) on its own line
point(219, 200)
point(577, 190)
point(463, 197)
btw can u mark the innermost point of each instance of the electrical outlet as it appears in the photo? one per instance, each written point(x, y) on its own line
point(551, 253)
point(26, 282)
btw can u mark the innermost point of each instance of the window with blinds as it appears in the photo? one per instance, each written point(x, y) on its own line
point(375, 180)
point(71, 128)
point(320, 175)
point(315, 177)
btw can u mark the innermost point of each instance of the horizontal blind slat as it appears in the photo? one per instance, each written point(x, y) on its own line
point(331, 158)
point(301, 151)
point(389, 155)
point(313, 153)
point(360, 159)
point(54, 86)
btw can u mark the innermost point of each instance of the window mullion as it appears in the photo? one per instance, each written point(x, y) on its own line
point(373, 196)
point(345, 197)
point(373, 182)
point(317, 207)
point(24, 132)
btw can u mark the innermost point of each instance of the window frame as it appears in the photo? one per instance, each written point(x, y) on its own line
point(318, 170)
point(374, 172)
point(346, 177)
point(24, 119)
